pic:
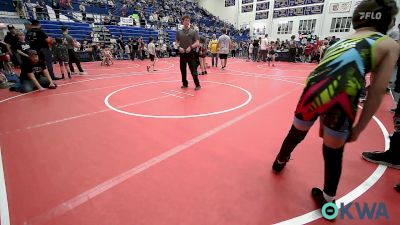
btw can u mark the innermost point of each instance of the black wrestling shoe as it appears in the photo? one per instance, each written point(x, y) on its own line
point(384, 158)
point(397, 187)
point(278, 166)
point(319, 199)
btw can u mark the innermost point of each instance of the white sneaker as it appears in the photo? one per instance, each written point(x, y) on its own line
point(73, 73)
point(82, 73)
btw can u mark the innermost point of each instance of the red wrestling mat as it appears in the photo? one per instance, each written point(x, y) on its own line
point(122, 146)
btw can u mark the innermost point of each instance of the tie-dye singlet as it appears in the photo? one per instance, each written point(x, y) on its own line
point(339, 79)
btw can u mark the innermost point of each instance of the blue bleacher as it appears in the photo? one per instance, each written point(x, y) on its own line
point(7, 20)
point(78, 31)
point(131, 32)
point(82, 30)
point(7, 6)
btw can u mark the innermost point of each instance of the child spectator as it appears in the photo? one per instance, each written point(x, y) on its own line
point(271, 53)
point(151, 48)
point(61, 55)
point(22, 47)
point(251, 47)
point(107, 57)
point(202, 55)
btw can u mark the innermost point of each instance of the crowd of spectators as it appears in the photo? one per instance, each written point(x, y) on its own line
point(32, 52)
point(157, 14)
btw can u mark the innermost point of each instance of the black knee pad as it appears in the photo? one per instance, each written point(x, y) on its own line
point(333, 169)
point(296, 135)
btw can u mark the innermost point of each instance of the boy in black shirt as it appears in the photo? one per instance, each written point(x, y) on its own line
point(22, 47)
point(256, 44)
point(38, 40)
point(34, 74)
point(135, 49)
point(11, 39)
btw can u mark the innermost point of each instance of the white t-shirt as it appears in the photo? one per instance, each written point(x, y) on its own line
point(127, 50)
point(151, 48)
point(223, 44)
point(264, 44)
point(251, 48)
point(395, 35)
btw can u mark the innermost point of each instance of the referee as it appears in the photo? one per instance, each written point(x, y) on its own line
point(188, 41)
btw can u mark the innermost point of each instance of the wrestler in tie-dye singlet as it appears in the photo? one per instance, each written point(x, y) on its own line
point(335, 85)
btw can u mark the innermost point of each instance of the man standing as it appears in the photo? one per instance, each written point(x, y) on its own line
point(11, 39)
point(213, 47)
point(256, 44)
point(120, 47)
point(292, 49)
point(188, 40)
point(55, 4)
point(263, 48)
point(82, 9)
point(135, 49)
point(38, 40)
point(224, 43)
point(391, 157)
point(70, 42)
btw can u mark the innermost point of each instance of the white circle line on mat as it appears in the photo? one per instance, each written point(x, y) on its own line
point(106, 101)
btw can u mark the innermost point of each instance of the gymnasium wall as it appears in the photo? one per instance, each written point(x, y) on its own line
point(339, 10)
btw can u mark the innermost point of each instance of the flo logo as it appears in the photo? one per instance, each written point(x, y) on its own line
point(363, 211)
point(370, 15)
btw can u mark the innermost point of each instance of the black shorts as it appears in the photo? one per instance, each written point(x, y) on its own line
point(223, 56)
point(335, 122)
point(271, 52)
point(62, 61)
point(151, 57)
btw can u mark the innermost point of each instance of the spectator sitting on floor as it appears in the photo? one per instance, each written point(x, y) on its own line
point(34, 74)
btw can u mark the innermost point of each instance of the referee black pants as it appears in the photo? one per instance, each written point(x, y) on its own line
point(191, 60)
point(74, 59)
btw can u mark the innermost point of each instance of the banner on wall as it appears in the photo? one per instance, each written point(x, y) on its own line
point(247, 1)
point(290, 3)
point(247, 8)
point(312, 10)
point(126, 21)
point(262, 6)
point(340, 7)
point(229, 3)
point(357, 3)
point(262, 15)
point(300, 11)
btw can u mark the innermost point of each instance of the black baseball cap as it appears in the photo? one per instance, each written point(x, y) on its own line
point(32, 52)
point(35, 22)
point(10, 27)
